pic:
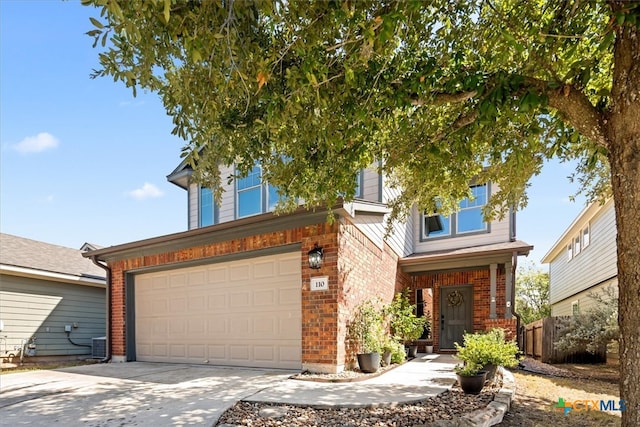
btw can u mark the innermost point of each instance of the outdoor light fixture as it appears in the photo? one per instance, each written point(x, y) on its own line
point(315, 257)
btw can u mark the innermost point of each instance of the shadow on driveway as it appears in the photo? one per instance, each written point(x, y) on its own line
point(132, 393)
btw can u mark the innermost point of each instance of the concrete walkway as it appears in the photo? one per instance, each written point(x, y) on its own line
point(425, 376)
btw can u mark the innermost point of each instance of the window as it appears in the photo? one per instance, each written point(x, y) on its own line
point(570, 251)
point(470, 215)
point(254, 196)
point(468, 219)
point(576, 246)
point(575, 308)
point(249, 191)
point(585, 237)
point(359, 179)
point(207, 207)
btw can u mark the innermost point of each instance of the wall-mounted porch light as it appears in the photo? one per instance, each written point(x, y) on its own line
point(315, 257)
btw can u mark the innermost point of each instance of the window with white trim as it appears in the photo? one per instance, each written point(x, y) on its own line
point(575, 308)
point(207, 214)
point(585, 237)
point(253, 196)
point(576, 245)
point(468, 218)
point(570, 251)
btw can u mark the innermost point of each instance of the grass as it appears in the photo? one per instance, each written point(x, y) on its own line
point(537, 395)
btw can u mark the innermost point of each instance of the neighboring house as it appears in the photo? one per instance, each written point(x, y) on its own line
point(237, 287)
point(43, 288)
point(583, 260)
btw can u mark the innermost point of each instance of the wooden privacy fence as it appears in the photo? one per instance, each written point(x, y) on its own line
point(540, 335)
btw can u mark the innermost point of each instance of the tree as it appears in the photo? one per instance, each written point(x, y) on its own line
point(594, 328)
point(437, 92)
point(532, 294)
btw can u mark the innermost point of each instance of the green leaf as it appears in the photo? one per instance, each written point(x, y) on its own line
point(96, 23)
point(167, 10)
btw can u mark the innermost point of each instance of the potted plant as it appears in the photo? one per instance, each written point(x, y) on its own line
point(366, 328)
point(405, 326)
point(488, 350)
point(470, 377)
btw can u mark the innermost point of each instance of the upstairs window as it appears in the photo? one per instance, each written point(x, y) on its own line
point(585, 237)
point(470, 215)
point(207, 208)
point(249, 191)
point(468, 219)
point(253, 196)
point(570, 251)
point(576, 246)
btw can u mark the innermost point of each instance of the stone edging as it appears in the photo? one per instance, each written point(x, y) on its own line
point(491, 414)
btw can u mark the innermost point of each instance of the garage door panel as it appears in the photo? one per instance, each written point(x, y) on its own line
point(240, 272)
point(245, 313)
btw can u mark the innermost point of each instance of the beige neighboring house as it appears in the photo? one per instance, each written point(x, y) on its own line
point(44, 289)
point(583, 260)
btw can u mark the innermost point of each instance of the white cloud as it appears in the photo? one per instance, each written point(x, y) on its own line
point(35, 144)
point(147, 191)
point(48, 199)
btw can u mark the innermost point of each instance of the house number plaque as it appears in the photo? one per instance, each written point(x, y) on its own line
point(320, 283)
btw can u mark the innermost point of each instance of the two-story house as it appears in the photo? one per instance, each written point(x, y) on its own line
point(583, 260)
point(239, 288)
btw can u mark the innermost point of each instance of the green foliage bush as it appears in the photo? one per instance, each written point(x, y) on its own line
point(593, 329)
point(490, 348)
point(367, 328)
point(404, 324)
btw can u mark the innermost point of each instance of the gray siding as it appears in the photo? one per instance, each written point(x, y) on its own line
point(370, 184)
point(194, 201)
point(594, 264)
point(499, 232)
point(402, 238)
point(31, 307)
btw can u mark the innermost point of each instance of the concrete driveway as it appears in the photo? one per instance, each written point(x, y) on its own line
point(128, 394)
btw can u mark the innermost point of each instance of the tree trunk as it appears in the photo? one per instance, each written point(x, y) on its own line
point(623, 134)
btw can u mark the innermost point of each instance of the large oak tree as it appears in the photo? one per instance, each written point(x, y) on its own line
point(438, 92)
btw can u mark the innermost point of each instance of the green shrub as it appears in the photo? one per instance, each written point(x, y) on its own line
point(404, 324)
point(367, 328)
point(489, 348)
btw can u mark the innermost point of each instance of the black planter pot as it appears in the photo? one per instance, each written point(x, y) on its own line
point(369, 362)
point(386, 358)
point(412, 351)
point(472, 384)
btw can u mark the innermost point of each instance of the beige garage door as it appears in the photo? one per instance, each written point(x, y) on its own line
point(240, 313)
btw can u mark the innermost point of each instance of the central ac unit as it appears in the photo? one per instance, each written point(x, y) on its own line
point(99, 347)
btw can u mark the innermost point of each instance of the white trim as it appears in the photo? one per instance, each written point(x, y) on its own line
point(50, 275)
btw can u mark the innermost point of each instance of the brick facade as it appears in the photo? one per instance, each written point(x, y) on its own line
point(480, 280)
point(357, 270)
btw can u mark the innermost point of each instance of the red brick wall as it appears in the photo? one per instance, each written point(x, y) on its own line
point(315, 323)
point(357, 269)
point(365, 272)
point(480, 279)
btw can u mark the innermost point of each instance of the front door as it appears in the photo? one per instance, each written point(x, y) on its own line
point(456, 314)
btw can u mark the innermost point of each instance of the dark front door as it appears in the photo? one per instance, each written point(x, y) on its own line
point(456, 314)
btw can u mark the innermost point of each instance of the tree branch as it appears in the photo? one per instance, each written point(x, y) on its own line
point(576, 108)
point(445, 98)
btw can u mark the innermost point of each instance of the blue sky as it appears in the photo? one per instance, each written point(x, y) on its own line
point(84, 161)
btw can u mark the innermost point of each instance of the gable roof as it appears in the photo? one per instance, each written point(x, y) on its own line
point(18, 254)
